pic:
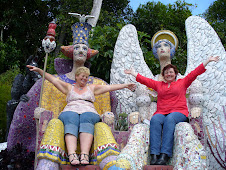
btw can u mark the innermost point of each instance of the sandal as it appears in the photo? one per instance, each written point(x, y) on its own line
point(85, 159)
point(74, 158)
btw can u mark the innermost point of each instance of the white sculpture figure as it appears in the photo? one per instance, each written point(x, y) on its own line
point(82, 18)
point(202, 42)
point(146, 107)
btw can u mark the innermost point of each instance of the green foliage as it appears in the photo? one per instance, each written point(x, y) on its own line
point(115, 11)
point(216, 16)
point(103, 40)
point(122, 123)
point(8, 77)
point(152, 62)
point(9, 54)
point(6, 80)
point(4, 98)
point(180, 60)
point(26, 23)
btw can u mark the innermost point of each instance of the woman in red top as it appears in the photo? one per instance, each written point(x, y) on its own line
point(171, 108)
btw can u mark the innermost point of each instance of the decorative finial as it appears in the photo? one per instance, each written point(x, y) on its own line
point(82, 18)
point(48, 43)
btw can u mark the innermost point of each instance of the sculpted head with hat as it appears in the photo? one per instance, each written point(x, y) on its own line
point(79, 52)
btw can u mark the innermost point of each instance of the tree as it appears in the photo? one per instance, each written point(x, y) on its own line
point(103, 40)
point(115, 11)
point(23, 23)
point(216, 16)
point(9, 54)
point(27, 24)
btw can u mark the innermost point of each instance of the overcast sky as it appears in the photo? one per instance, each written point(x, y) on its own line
point(202, 5)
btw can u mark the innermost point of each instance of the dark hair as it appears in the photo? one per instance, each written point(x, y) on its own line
point(170, 66)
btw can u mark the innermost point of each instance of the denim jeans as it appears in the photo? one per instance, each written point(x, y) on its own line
point(162, 132)
point(74, 122)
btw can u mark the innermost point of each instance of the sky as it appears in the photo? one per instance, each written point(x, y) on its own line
point(202, 5)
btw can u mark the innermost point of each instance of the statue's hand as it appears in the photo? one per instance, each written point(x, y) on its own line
point(108, 118)
point(134, 117)
point(196, 112)
point(38, 111)
point(24, 98)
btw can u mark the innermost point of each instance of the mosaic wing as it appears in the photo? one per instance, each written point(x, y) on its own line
point(202, 43)
point(127, 54)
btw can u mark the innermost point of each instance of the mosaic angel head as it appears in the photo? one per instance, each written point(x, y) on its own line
point(169, 39)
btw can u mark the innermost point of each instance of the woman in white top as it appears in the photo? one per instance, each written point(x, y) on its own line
point(80, 116)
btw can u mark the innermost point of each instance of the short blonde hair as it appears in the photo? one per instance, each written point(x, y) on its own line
point(82, 70)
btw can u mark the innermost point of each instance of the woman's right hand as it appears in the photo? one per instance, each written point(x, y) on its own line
point(131, 71)
point(33, 68)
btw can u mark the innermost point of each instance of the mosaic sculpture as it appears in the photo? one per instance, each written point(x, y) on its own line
point(51, 148)
point(207, 114)
point(21, 85)
point(146, 107)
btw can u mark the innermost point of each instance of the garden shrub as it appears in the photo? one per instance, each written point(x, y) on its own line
point(6, 80)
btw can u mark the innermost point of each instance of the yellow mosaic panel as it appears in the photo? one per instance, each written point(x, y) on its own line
point(103, 135)
point(53, 142)
point(53, 99)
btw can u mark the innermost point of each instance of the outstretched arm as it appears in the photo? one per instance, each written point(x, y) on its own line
point(60, 85)
point(100, 89)
point(132, 72)
point(210, 59)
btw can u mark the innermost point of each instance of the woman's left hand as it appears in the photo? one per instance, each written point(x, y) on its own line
point(211, 58)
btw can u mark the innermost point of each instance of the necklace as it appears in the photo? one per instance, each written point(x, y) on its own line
point(79, 88)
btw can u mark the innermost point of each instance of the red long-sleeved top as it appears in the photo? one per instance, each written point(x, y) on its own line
point(172, 99)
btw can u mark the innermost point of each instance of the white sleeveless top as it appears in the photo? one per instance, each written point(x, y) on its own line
point(80, 103)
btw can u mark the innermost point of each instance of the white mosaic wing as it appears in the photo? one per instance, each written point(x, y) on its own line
point(202, 43)
point(127, 54)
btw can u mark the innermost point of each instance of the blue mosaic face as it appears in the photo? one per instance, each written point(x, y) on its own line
point(167, 47)
point(163, 49)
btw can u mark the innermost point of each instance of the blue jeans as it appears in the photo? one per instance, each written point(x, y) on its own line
point(162, 132)
point(74, 122)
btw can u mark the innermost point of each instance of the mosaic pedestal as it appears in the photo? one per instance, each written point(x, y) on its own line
point(80, 167)
point(158, 167)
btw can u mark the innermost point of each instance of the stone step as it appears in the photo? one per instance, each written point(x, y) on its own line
point(158, 167)
point(80, 167)
point(95, 167)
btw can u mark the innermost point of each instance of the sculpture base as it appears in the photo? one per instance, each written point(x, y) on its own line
point(158, 167)
point(80, 167)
